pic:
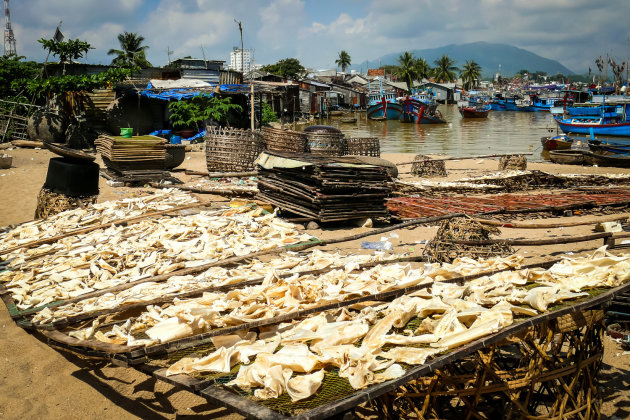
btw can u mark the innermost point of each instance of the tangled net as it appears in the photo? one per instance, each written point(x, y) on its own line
point(443, 249)
point(513, 162)
point(50, 203)
point(428, 167)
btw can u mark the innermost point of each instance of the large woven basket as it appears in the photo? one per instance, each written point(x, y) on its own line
point(326, 144)
point(283, 140)
point(362, 146)
point(231, 149)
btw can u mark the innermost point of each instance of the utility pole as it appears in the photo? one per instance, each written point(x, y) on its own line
point(240, 28)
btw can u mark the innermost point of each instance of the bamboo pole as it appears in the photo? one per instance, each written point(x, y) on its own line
point(80, 231)
point(215, 191)
point(462, 158)
point(535, 242)
point(517, 225)
point(222, 174)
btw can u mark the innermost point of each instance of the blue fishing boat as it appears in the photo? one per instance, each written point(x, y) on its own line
point(382, 105)
point(503, 103)
point(421, 109)
point(599, 120)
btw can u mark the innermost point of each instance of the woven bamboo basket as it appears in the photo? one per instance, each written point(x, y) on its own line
point(428, 167)
point(231, 149)
point(362, 146)
point(283, 140)
point(513, 162)
point(326, 144)
point(547, 371)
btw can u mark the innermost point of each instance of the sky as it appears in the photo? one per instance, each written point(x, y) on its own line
point(573, 32)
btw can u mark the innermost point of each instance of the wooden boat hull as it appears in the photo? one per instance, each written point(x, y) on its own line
point(567, 157)
point(556, 143)
point(614, 160)
point(474, 112)
point(393, 111)
point(349, 120)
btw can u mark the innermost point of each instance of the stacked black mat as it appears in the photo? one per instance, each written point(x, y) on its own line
point(323, 188)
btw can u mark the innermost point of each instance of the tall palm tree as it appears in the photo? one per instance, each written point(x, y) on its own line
point(132, 52)
point(343, 61)
point(444, 69)
point(423, 70)
point(407, 68)
point(471, 72)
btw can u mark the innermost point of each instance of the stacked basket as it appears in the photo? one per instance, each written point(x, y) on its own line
point(283, 140)
point(231, 149)
point(362, 146)
point(325, 140)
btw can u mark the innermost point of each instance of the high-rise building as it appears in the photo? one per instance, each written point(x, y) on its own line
point(240, 60)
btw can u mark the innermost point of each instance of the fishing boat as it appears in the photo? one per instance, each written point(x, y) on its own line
point(615, 147)
point(601, 120)
point(503, 103)
point(383, 105)
point(607, 159)
point(561, 142)
point(567, 157)
point(475, 109)
point(348, 120)
point(421, 109)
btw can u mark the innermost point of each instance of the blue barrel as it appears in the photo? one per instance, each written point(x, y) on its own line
point(176, 140)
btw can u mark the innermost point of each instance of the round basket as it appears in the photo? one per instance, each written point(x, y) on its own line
point(283, 140)
point(231, 149)
point(362, 146)
point(325, 144)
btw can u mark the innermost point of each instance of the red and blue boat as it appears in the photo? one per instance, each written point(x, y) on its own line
point(382, 105)
point(421, 108)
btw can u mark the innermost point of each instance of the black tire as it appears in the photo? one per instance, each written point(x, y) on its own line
point(72, 178)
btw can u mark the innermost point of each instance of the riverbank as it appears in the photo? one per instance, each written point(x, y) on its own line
point(38, 381)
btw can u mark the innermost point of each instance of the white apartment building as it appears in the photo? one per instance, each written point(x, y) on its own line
point(235, 60)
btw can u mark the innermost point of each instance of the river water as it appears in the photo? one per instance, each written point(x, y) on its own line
point(502, 132)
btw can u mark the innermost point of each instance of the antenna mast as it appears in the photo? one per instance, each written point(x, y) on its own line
point(9, 38)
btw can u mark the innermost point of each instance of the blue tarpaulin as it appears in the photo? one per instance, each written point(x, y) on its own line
point(189, 92)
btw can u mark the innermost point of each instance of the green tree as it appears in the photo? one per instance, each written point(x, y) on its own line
point(289, 68)
point(195, 111)
point(423, 70)
point(444, 69)
point(343, 61)
point(470, 74)
point(407, 68)
point(269, 114)
point(132, 52)
point(73, 49)
point(15, 74)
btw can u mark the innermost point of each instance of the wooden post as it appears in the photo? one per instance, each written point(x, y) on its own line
point(252, 102)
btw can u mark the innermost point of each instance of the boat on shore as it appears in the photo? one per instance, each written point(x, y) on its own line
point(567, 157)
point(607, 159)
point(561, 142)
point(420, 111)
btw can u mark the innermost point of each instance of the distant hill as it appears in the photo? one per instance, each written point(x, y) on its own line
point(488, 56)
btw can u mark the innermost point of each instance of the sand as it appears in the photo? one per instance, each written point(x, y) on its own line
point(38, 381)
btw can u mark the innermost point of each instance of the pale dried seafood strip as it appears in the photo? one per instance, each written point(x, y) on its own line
point(277, 296)
point(93, 215)
point(450, 316)
point(151, 247)
point(213, 277)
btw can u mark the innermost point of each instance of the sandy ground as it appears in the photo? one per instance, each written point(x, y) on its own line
point(37, 381)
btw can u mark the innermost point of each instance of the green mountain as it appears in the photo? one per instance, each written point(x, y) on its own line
point(488, 56)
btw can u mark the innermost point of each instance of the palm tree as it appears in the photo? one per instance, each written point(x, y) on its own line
point(444, 69)
point(407, 68)
point(132, 52)
point(470, 74)
point(423, 71)
point(343, 61)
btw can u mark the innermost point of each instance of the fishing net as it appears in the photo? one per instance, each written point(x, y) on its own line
point(513, 162)
point(443, 248)
point(427, 167)
point(50, 203)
